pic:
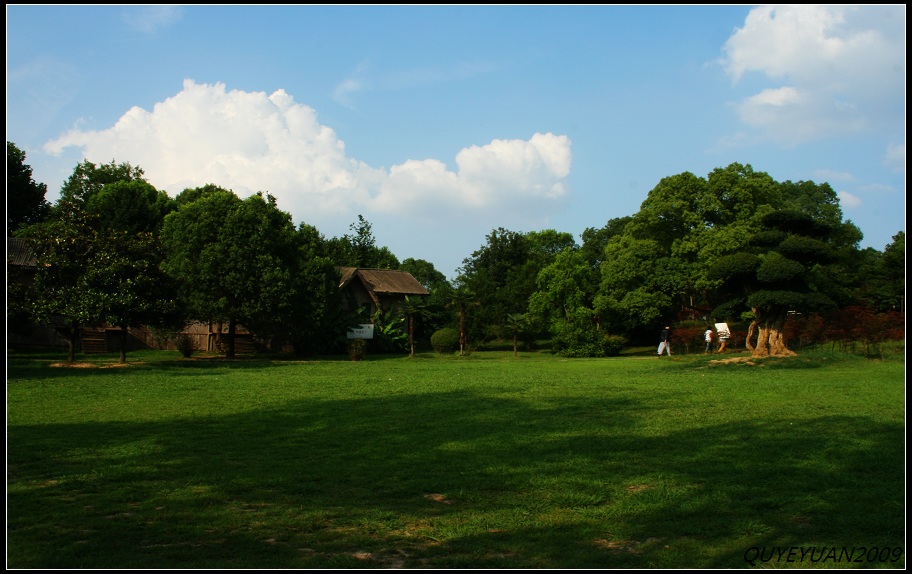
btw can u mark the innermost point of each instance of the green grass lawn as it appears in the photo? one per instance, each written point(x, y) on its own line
point(483, 461)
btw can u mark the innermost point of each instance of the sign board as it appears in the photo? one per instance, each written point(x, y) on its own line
point(362, 331)
point(722, 330)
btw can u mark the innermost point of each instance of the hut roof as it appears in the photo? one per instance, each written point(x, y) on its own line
point(19, 252)
point(383, 281)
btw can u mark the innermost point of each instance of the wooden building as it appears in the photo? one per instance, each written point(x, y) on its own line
point(377, 289)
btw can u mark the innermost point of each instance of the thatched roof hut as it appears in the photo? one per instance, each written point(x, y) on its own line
point(379, 288)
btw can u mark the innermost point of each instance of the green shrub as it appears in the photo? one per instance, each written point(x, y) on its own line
point(614, 344)
point(184, 344)
point(356, 348)
point(445, 340)
point(575, 340)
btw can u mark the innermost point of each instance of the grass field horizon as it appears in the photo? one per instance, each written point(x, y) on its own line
point(485, 461)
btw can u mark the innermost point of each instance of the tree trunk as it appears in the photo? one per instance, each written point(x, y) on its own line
point(232, 327)
point(750, 335)
point(771, 339)
point(71, 342)
point(411, 338)
point(123, 345)
point(462, 336)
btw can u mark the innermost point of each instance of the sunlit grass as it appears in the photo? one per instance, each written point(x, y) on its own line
point(485, 461)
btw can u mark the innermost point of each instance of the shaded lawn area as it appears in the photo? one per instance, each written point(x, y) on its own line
point(480, 462)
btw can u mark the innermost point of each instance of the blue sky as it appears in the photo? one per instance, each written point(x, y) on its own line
point(441, 123)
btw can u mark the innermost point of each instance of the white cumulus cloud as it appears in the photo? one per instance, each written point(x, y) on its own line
point(254, 141)
point(505, 175)
point(837, 69)
point(848, 200)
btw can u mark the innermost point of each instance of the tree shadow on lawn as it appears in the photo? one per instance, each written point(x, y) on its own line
point(108, 365)
point(449, 479)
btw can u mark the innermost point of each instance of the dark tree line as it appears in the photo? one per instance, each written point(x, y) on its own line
point(735, 246)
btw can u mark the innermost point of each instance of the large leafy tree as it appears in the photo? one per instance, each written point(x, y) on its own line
point(494, 274)
point(656, 269)
point(881, 276)
point(99, 256)
point(694, 238)
point(268, 274)
point(567, 287)
point(243, 262)
point(89, 178)
point(25, 198)
point(359, 248)
point(316, 322)
point(62, 248)
point(125, 284)
point(503, 274)
point(642, 285)
point(792, 266)
point(134, 206)
point(198, 258)
point(564, 302)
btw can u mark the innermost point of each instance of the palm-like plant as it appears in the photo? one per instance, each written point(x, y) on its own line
point(413, 309)
point(388, 334)
point(516, 322)
point(462, 298)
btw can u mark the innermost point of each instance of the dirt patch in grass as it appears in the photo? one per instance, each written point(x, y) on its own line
point(729, 361)
point(627, 546)
point(84, 365)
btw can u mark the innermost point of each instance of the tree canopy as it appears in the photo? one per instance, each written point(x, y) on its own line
point(25, 198)
point(99, 257)
point(243, 261)
point(735, 245)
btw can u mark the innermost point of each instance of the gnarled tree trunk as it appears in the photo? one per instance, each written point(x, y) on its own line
point(770, 337)
point(750, 337)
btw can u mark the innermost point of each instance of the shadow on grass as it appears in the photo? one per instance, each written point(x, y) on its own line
point(445, 480)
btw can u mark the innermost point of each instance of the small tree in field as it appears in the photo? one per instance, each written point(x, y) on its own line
point(516, 321)
point(462, 298)
point(413, 309)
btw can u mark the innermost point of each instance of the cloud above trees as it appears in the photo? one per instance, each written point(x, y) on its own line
point(253, 141)
point(837, 70)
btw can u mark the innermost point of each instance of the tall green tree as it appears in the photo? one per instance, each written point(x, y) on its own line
point(99, 255)
point(317, 322)
point(63, 248)
point(200, 260)
point(359, 248)
point(503, 274)
point(262, 276)
point(243, 262)
point(792, 266)
point(656, 271)
point(125, 285)
point(564, 303)
point(134, 206)
point(425, 273)
point(89, 178)
point(25, 198)
point(881, 276)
